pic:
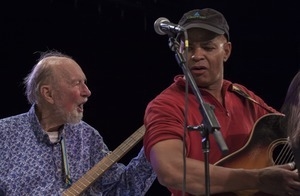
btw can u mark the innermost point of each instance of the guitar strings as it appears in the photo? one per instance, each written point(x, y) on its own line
point(285, 156)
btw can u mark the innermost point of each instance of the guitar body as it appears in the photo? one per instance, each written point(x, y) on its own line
point(266, 146)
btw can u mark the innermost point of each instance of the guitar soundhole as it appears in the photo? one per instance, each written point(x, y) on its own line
point(282, 153)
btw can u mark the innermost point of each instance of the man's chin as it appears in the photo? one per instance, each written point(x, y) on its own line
point(75, 119)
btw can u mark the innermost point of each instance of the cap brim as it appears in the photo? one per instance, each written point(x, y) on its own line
point(204, 26)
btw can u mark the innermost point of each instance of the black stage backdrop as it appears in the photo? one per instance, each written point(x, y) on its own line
point(127, 63)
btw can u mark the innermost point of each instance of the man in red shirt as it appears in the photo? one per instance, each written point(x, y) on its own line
point(177, 154)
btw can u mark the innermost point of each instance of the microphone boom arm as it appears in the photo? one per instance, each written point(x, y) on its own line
point(210, 121)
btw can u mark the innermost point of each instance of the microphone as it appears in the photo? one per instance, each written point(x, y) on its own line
point(163, 26)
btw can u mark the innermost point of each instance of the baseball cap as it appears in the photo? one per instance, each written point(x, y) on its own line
point(206, 18)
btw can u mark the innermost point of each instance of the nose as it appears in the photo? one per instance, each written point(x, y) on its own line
point(198, 54)
point(86, 91)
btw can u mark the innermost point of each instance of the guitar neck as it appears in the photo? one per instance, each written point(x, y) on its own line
point(97, 170)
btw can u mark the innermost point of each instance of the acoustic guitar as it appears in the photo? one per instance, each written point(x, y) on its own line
point(97, 170)
point(267, 146)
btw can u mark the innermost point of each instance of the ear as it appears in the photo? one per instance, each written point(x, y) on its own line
point(227, 49)
point(46, 93)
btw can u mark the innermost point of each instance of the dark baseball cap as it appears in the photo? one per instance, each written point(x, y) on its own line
point(206, 18)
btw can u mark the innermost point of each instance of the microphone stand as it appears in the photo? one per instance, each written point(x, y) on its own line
point(210, 123)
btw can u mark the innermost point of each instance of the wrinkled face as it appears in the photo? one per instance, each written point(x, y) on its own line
point(206, 53)
point(70, 92)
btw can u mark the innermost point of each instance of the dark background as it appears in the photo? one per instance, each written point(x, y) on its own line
point(127, 63)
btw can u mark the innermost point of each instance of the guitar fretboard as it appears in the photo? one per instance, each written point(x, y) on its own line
point(97, 170)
